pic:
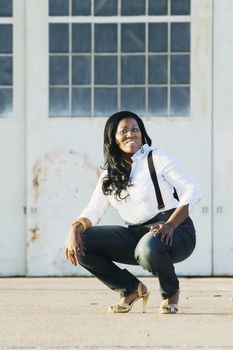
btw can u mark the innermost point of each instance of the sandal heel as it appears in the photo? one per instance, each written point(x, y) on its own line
point(145, 301)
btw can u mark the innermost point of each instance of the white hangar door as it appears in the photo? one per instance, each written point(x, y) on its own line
point(69, 95)
point(12, 141)
point(223, 132)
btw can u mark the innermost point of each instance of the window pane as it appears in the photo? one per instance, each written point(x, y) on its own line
point(158, 7)
point(133, 70)
point(180, 7)
point(105, 7)
point(105, 38)
point(5, 102)
point(58, 102)
point(180, 37)
point(158, 70)
point(81, 70)
point(105, 101)
point(6, 71)
point(133, 99)
point(6, 8)
point(158, 37)
point(5, 38)
point(58, 37)
point(106, 70)
point(81, 102)
point(58, 7)
point(180, 69)
point(180, 100)
point(81, 37)
point(58, 70)
point(157, 101)
point(81, 7)
point(133, 8)
point(133, 37)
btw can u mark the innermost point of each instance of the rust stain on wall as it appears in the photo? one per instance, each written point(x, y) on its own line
point(34, 234)
point(36, 171)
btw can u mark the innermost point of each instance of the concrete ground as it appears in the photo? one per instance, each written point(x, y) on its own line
point(70, 313)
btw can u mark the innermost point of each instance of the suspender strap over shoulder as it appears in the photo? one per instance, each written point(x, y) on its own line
point(155, 180)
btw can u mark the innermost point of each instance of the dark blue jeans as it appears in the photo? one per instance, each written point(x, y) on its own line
point(133, 245)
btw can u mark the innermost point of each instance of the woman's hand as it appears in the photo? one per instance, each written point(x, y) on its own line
point(165, 230)
point(74, 245)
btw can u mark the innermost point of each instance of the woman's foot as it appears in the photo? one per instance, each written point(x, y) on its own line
point(170, 305)
point(126, 302)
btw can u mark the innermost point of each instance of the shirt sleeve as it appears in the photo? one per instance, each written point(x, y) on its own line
point(97, 205)
point(187, 188)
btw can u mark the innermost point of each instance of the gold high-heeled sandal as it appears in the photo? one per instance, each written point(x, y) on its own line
point(124, 308)
point(166, 308)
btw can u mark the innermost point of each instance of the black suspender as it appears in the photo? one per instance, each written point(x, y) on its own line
point(155, 180)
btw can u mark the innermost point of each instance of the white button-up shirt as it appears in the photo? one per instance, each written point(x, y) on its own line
point(141, 205)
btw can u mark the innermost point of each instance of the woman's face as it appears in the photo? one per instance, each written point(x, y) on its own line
point(128, 136)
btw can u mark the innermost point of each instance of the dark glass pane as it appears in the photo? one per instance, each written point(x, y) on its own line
point(105, 101)
point(6, 38)
point(133, 99)
point(6, 74)
point(58, 7)
point(6, 8)
point(157, 101)
point(81, 7)
point(105, 38)
point(180, 69)
point(58, 70)
point(158, 37)
point(106, 70)
point(158, 7)
point(81, 70)
point(180, 101)
point(81, 102)
point(81, 37)
point(180, 7)
point(133, 37)
point(133, 8)
point(133, 70)
point(58, 102)
point(5, 102)
point(180, 37)
point(58, 37)
point(105, 7)
point(158, 70)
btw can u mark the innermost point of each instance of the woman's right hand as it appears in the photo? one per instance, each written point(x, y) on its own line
point(74, 245)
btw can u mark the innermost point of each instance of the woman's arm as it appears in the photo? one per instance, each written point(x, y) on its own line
point(90, 216)
point(74, 244)
point(187, 188)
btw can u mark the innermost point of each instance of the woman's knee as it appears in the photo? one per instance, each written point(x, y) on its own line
point(149, 251)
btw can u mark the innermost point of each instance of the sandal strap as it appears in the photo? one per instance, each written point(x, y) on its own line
point(117, 307)
point(140, 289)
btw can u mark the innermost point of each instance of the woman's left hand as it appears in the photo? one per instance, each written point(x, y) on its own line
point(165, 230)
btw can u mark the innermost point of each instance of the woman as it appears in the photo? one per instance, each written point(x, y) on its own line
point(127, 185)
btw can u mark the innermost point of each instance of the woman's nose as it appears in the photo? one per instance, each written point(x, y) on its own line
point(129, 132)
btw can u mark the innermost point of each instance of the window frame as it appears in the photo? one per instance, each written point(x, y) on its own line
point(119, 20)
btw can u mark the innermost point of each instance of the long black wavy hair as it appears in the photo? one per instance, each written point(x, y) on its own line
point(117, 178)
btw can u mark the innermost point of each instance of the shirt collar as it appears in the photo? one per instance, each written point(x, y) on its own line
point(141, 153)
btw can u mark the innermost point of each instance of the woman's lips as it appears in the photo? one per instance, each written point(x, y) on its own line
point(131, 142)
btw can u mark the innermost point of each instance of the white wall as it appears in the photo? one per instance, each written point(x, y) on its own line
point(222, 138)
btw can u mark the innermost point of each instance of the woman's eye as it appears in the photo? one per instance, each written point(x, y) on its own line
point(135, 129)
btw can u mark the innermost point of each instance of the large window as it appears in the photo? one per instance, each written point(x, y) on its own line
point(6, 58)
point(109, 55)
